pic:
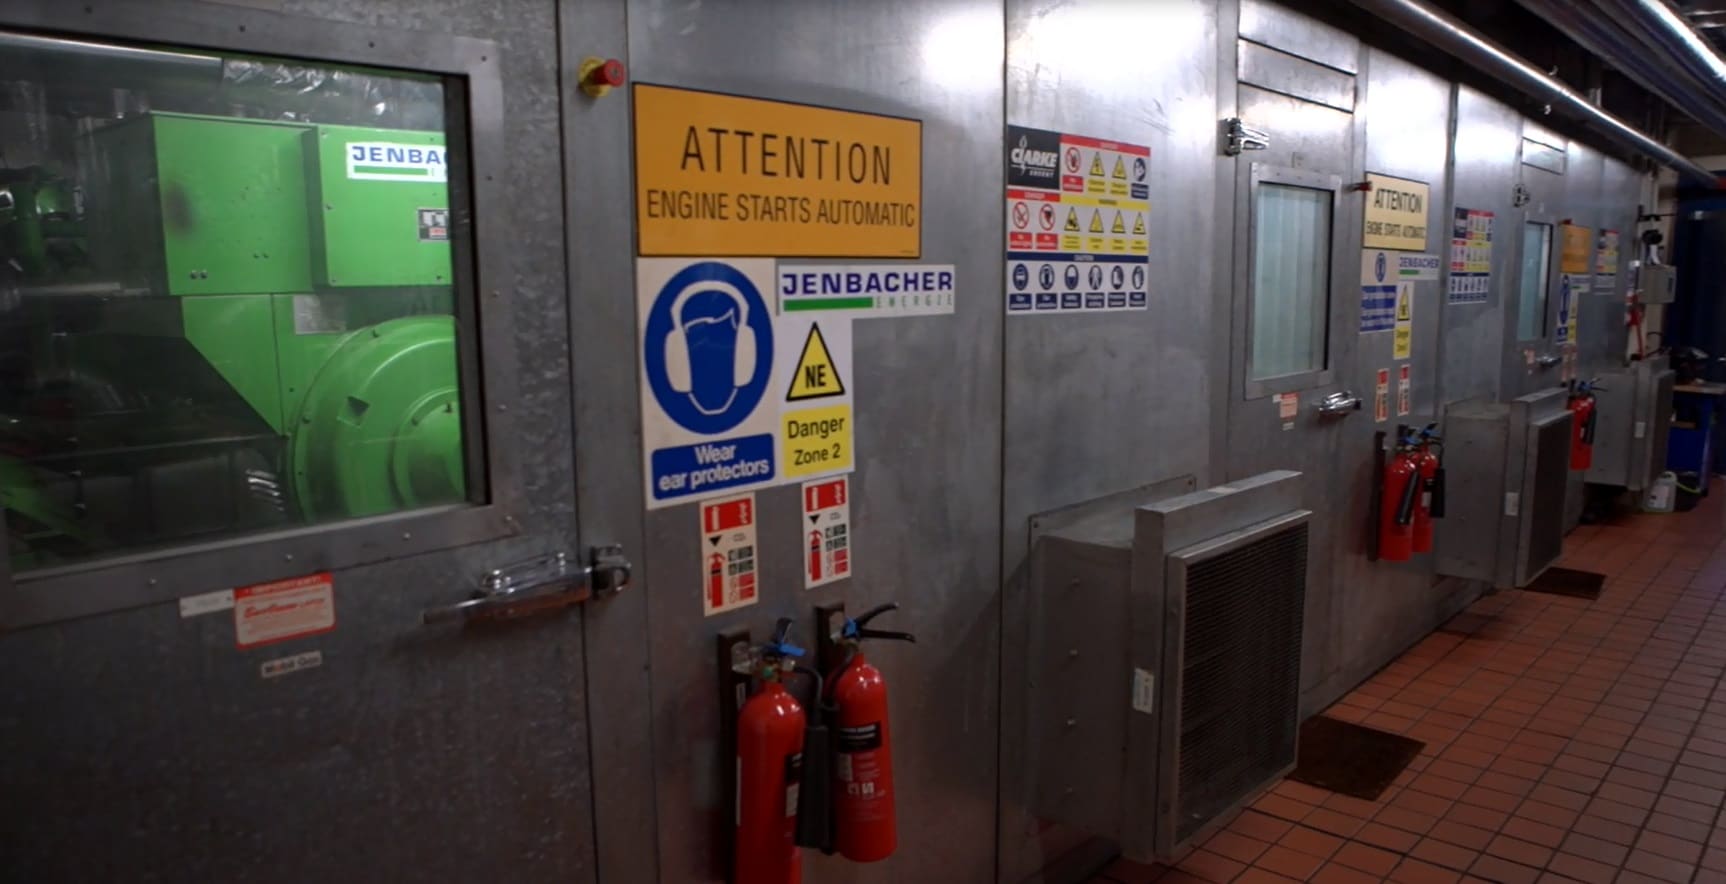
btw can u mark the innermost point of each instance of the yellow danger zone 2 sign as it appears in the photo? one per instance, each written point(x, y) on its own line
point(727, 175)
point(817, 440)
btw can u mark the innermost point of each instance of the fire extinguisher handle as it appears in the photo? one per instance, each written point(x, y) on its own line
point(887, 634)
point(864, 618)
point(1405, 506)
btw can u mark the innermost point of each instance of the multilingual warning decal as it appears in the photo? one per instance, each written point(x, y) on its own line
point(1077, 223)
point(1470, 256)
point(729, 175)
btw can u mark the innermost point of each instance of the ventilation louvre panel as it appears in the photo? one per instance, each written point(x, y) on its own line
point(1239, 674)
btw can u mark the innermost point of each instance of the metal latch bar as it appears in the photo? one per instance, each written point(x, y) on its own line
point(547, 582)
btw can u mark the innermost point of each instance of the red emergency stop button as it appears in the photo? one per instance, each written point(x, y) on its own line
point(599, 76)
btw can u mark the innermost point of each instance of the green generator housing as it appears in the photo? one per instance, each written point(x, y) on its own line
point(309, 267)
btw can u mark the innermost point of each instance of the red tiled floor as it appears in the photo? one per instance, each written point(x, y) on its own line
point(1567, 740)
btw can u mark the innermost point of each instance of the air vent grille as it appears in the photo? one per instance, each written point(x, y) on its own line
point(1240, 673)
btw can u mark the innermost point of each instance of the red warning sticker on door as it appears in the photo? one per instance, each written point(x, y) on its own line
point(285, 609)
point(1381, 397)
point(728, 554)
point(1403, 391)
point(826, 531)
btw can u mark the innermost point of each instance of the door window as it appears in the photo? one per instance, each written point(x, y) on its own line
point(227, 298)
point(1290, 280)
point(1536, 261)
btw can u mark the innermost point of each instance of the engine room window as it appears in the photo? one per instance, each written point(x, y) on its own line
point(1536, 263)
point(226, 298)
point(1291, 280)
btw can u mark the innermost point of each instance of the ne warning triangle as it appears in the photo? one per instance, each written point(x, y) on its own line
point(815, 376)
point(1139, 224)
point(1119, 226)
point(1097, 222)
point(1096, 164)
point(1404, 305)
point(1120, 168)
point(1073, 220)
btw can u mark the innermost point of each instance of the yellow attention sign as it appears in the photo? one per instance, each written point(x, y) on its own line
point(1395, 213)
point(815, 375)
point(724, 175)
point(1578, 242)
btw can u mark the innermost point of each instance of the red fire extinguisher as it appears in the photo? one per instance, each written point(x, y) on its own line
point(1582, 416)
point(1398, 501)
point(1430, 503)
point(770, 729)
point(867, 829)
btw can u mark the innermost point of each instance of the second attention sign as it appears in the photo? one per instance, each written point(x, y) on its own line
point(723, 175)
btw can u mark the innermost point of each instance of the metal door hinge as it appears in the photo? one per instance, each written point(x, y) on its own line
point(545, 583)
point(1238, 137)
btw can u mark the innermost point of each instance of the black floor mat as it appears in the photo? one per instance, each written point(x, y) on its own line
point(1568, 581)
point(1345, 757)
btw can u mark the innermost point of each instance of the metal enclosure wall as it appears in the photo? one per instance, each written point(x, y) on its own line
point(969, 425)
point(150, 750)
point(927, 489)
point(1103, 403)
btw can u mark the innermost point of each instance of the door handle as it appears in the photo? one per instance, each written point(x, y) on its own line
point(1338, 404)
point(541, 584)
point(1547, 360)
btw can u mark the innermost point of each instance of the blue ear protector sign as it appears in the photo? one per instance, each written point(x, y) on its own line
point(706, 362)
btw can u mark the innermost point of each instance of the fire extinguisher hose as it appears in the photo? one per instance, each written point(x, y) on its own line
point(815, 798)
point(1410, 493)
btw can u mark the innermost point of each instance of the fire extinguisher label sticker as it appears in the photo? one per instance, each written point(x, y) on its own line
point(1403, 391)
point(861, 738)
point(826, 530)
point(793, 782)
point(1381, 397)
point(728, 554)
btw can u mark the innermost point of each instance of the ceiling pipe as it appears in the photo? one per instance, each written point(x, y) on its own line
point(1628, 50)
point(1439, 29)
point(1678, 39)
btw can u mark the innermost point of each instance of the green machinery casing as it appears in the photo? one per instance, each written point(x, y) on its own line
point(310, 265)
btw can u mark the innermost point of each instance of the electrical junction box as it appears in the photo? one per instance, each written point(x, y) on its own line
point(1656, 284)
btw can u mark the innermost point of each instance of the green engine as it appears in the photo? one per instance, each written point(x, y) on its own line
point(245, 324)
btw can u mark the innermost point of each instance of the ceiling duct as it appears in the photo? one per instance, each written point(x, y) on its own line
point(1443, 31)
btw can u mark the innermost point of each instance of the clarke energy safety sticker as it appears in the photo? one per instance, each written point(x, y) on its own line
point(285, 609)
point(707, 344)
point(865, 291)
point(815, 389)
point(1470, 256)
point(728, 554)
point(1078, 237)
point(827, 531)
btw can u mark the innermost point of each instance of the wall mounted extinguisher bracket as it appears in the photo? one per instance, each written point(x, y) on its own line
point(1429, 479)
point(830, 623)
point(865, 823)
point(735, 661)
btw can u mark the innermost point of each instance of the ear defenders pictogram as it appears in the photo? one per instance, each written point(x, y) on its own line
point(677, 369)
